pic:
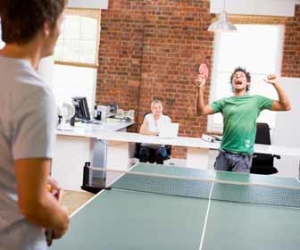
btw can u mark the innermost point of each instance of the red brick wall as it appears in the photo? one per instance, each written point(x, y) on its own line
point(291, 53)
point(121, 54)
point(151, 49)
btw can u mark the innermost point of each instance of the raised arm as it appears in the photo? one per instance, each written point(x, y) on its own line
point(201, 107)
point(283, 104)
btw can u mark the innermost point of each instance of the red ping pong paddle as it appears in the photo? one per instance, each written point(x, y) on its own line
point(203, 70)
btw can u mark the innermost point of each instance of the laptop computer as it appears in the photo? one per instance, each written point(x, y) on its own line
point(168, 130)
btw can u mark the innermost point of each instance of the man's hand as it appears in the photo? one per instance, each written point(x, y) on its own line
point(59, 232)
point(54, 188)
point(272, 79)
point(200, 81)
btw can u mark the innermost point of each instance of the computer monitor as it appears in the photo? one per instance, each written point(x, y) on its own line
point(81, 108)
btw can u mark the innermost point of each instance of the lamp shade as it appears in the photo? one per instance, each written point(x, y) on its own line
point(222, 24)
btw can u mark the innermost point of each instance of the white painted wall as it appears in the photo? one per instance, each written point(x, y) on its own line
point(255, 7)
point(287, 129)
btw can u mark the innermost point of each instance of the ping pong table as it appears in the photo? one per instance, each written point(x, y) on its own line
point(163, 207)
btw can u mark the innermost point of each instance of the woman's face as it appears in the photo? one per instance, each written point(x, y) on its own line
point(157, 109)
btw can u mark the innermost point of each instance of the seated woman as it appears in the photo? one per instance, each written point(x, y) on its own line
point(152, 121)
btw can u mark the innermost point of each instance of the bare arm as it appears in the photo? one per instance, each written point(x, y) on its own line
point(283, 104)
point(36, 203)
point(201, 107)
point(144, 130)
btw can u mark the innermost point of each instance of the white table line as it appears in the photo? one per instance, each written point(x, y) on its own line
point(206, 216)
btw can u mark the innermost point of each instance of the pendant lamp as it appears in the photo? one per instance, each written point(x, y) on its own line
point(222, 24)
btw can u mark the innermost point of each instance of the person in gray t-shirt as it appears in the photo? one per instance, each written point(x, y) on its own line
point(29, 199)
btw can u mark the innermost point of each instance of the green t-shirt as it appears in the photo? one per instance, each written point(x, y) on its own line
point(239, 118)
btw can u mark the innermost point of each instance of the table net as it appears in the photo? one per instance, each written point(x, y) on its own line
point(210, 184)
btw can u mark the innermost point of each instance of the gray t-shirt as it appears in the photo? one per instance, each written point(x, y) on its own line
point(27, 130)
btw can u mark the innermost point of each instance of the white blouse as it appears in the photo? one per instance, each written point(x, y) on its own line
point(154, 126)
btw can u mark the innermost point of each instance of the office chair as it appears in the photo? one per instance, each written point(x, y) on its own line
point(263, 163)
point(151, 159)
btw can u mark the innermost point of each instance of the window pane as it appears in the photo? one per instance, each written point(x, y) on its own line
point(79, 39)
point(72, 81)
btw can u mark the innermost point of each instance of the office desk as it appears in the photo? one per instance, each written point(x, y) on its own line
point(211, 210)
point(76, 147)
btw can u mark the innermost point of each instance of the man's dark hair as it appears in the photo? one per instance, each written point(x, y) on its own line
point(240, 69)
point(21, 20)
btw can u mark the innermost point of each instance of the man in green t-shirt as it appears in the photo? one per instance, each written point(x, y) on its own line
point(240, 113)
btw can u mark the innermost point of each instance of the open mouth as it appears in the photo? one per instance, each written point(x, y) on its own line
point(238, 82)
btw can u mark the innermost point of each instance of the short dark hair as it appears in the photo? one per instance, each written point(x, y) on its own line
point(240, 69)
point(21, 20)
